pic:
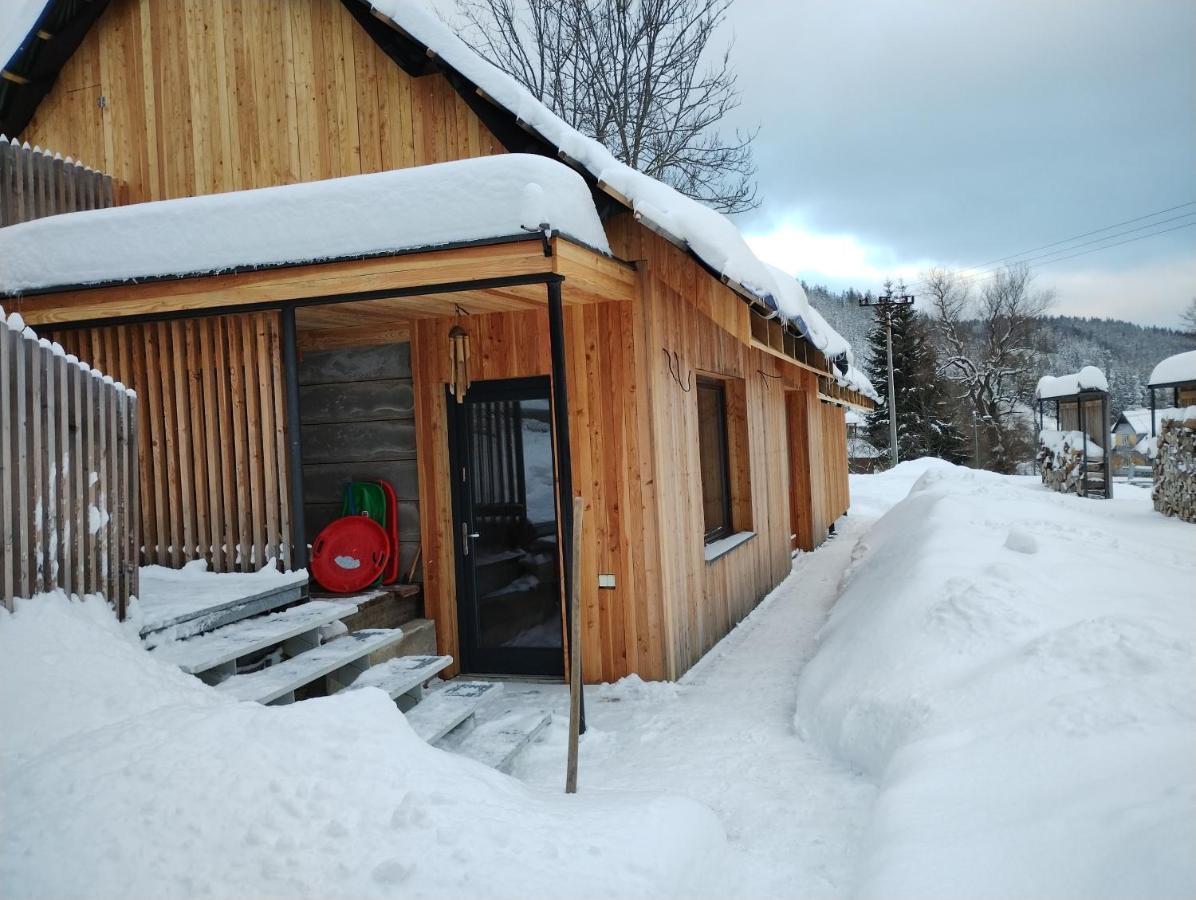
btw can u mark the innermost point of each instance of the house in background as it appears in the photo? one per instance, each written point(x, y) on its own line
point(1131, 438)
point(349, 248)
point(862, 456)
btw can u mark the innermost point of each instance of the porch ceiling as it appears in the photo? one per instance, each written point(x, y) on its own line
point(354, 293)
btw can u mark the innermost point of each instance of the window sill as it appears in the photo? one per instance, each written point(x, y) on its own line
point(723, 546)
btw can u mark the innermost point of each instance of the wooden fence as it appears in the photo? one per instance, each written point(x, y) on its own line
point(213, 438)
point(35, 184)
point(68, 475)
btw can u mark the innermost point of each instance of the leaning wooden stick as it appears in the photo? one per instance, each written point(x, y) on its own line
point(574, 650)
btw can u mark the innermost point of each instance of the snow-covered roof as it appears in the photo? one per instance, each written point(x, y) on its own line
point(14, 322)
point(1175, 369)
point(857, 381)
point(404, 209)
point(711, 236)
point(1089, 378)
point(858, 448)
point(1139, 419)
point(17, 20)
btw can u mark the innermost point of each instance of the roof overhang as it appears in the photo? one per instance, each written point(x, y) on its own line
point(478, 277)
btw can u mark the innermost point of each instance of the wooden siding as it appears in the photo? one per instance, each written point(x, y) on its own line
point(357, 411)
point(622, 628)
point(204, 96)
point(68, 477)
point(686, 316)
point(212, 442)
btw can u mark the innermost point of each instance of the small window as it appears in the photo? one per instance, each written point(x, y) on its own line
point(712, 452)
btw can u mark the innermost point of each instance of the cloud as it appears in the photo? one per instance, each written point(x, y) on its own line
point(1151, 294)
point(838, 260)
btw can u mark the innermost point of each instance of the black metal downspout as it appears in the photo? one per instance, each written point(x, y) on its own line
point(564, 459)
point(290, 372)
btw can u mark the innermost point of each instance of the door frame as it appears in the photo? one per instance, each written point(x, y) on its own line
point(533, 661)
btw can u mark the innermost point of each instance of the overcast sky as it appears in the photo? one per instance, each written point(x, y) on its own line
point(894, 135)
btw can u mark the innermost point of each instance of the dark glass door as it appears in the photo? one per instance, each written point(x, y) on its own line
point(504, 499)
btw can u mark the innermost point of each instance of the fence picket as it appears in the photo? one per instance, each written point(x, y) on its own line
point(68, 475)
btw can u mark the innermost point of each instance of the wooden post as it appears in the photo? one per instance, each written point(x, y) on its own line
point(564, 453)
point(290, 371)
point(574, 651)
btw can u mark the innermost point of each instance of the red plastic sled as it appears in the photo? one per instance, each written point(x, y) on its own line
point(350, 554)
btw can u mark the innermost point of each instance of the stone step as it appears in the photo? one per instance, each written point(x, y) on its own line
point(402, 674)
point(444, 709)
point(496, 743)
point(342, 660)
point(218, 649)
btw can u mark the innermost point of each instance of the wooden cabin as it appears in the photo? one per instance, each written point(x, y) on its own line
point(694, 405)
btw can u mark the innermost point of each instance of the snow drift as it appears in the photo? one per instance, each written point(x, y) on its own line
point(122, 777)
point(1015, 668)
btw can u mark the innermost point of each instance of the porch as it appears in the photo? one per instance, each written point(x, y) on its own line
point(264, 391)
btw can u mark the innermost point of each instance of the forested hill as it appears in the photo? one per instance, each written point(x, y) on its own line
point(1124, 351)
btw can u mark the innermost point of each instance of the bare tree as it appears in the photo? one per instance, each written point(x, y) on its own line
point(988, 348)
point(1187, 319)
point(639, 76)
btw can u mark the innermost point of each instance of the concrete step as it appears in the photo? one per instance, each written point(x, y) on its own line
point(216, 651)
point(402, 674)
point(341, 660)
point(448, 707)
point(496, 743)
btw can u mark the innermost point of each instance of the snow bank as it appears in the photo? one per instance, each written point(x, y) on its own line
point(710, 235)
point(1180, 367)
point(406, 209)
point(121, 777)
point(1089, 378)
point(1015, 668)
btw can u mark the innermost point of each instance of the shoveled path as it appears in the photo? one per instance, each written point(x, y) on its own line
point(725, 737)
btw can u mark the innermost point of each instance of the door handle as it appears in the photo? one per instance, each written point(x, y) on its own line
point(466, 536)
point(475, 534)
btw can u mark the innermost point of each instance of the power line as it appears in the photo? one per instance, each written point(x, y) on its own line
point(1087, 234)
point(1014, 256)
point(1046, 262)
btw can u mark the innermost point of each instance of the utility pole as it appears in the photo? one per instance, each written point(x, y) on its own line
point(886, 303)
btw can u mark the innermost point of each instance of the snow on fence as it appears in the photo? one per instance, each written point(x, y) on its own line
point(68, 474)
point(35, 184)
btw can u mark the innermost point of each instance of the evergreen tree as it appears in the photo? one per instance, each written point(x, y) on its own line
point(924, 424)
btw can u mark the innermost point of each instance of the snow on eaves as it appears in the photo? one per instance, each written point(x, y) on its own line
point(14, 323)
point(1178, 368)
point(1089, 378)
point(709, 234)
point(405, 209)
point(18, 18)
point(857, 381)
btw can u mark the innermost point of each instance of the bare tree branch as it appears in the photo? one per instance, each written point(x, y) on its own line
point(635, 75)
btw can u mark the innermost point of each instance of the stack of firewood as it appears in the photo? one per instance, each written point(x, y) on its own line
point(1062, 470)
point(1174, 492)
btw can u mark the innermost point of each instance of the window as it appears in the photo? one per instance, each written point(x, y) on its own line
point(712, 452)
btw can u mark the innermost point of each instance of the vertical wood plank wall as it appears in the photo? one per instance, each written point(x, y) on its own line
point(203, 96)
point(705, 328)
point(68, 476)
point(622, 628)
point(212, 442)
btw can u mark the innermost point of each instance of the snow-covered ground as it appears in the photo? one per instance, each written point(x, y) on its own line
point(999, 705)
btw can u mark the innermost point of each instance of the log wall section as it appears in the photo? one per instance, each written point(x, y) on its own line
point(621, 628)
point(212, 442)
point(204, 96)
point(68, 476)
